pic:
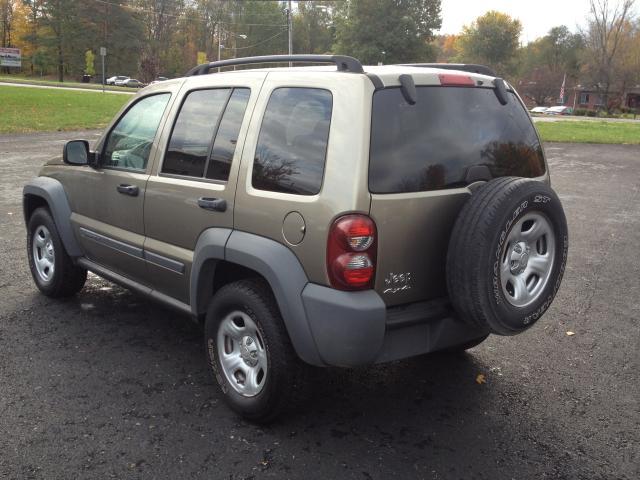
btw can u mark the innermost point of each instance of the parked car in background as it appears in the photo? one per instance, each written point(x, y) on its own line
point(116, 78)
point(158, 80)
point(120, 81)
point(559, 110)
point(133, 83)
point(538, 109)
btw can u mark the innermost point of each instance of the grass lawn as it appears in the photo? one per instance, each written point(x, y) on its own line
point(589, 132)
point(40, 110)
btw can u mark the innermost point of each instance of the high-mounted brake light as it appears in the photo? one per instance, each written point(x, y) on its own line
point(455, 80)
point(351, 252)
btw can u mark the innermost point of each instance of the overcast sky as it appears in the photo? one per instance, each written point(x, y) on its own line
point(537, 16)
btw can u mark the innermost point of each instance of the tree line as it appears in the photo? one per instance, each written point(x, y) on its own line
point(147, 38)
point(603, 55)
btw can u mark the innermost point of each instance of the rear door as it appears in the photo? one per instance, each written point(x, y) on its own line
point(422, 158)
point(192, 187)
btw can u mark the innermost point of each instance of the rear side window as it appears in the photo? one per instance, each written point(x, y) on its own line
point(292, 145)
point(225, 143)
point(207, 119)
point(431, 145)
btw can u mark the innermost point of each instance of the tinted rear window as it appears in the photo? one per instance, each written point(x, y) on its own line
point(432, 144)
point(227, 136)
point(292, 145)
point(194, 128)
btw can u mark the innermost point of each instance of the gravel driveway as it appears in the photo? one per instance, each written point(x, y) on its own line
point(108, 385)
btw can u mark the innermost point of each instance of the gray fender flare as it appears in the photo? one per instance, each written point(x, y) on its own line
point(282, 269)
point(275, 262)
point(208, 252)
point(52, 192)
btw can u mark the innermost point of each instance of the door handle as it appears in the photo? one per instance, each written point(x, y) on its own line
point(213, 204)
point(128, 189)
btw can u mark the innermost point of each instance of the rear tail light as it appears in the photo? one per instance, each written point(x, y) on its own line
point(455, 80)
point(351, 252)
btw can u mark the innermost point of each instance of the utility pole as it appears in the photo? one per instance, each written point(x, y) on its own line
point(103, 50)
point(290, 28)
point(219, 44)
point(103, 53)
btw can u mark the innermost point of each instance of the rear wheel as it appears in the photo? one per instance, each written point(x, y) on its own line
point(507, 254)
point(53, 271)
point(250, 354)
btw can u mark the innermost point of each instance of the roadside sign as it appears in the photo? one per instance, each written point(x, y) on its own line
point(103, 51)
point(10, 57)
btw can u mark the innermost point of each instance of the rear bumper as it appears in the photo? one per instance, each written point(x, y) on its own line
point(356, 328)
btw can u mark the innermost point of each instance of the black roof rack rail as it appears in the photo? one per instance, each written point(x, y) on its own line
point(343, 62)
point(465, 67)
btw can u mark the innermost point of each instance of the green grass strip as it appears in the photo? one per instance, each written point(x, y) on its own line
point(590, 132)
point(45, 110)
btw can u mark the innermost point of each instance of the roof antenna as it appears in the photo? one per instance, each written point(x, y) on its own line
point(408, 88)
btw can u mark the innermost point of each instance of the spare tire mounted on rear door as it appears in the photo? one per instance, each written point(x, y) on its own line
point(507, 254)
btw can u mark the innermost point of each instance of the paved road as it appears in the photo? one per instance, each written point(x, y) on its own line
point(77, 89)
point(108, 385)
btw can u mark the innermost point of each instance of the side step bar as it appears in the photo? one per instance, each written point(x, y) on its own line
point(135, 286)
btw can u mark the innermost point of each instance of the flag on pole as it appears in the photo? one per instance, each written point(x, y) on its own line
point(562, 89)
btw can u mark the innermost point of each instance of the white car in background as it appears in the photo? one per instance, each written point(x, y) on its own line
point(116, 78)
point(538, 109)
point(559, 110)
point(121, 81)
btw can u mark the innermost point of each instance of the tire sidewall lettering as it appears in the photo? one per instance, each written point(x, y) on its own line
point(542, 203)
point(477, 248)
point(213, 362)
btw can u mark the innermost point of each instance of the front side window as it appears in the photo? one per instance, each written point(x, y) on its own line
point(292, 144)
point(129, 143)
point(205, 133)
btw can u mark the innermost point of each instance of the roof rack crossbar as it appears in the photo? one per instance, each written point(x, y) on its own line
point(343, 62)
point(465, 67)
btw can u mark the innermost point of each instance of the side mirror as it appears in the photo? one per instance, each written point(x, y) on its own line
point(76, 152)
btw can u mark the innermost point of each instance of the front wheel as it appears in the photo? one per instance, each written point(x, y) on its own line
point(249, 352)
point(53, 271)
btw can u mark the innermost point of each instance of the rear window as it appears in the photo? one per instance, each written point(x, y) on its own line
point(431, 145)
point(292, 145)
point(206, 116)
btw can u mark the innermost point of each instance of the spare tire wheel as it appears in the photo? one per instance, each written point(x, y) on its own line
point(507, 254)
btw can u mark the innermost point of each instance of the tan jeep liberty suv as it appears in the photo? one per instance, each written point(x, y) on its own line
point(311, 216)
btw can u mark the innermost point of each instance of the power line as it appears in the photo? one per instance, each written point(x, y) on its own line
point(259, 43)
